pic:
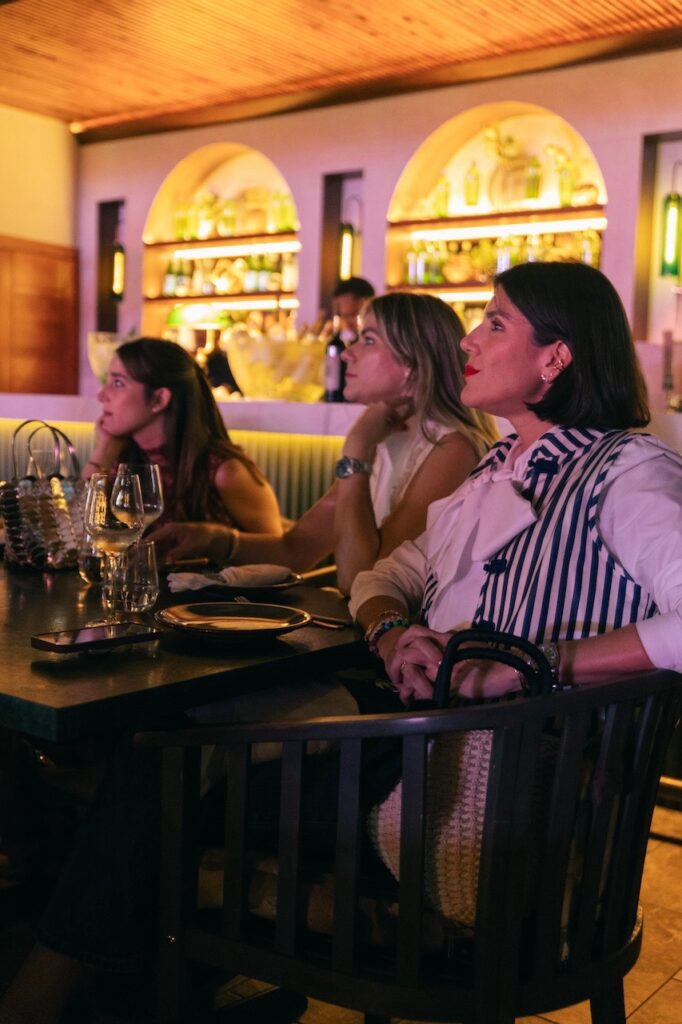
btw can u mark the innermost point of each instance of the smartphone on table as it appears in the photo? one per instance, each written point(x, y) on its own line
point(98, 636)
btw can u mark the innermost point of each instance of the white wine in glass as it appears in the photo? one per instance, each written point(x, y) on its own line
point(114, 515)
point(151, 487)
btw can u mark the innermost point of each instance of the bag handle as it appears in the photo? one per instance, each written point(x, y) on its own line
point(32, 463)
point(62, 441)
point(490, 645)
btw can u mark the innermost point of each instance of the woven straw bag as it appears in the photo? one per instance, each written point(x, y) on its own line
point(457, 781)
point(43, 510)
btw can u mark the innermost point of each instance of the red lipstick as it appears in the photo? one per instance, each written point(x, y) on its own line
point(469, 370)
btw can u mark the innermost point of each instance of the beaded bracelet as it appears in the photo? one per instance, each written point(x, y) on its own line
point(375, 635)
point(389, 613)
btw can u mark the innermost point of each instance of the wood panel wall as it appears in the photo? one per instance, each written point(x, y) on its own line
point(38, 317)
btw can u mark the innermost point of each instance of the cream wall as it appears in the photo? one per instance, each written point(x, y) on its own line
point(37, 178)
point(611, 104)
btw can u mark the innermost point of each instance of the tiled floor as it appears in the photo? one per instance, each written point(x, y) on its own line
point(653, 989)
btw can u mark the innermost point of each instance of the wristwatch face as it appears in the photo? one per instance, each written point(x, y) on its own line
point(347, 467)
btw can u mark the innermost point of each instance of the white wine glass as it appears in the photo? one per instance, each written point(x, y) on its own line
point(152, 489)
point(114, 517)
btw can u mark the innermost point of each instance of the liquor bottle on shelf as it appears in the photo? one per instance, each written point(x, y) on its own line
point(286, 219)
point(264, 271)
point(251, 275)
point(197, 283)
point(565, 176)
point(170, 279)
point(289, 272)
point(226, 224)
point(334, 366)
point(183, 278)
point(441, 197)
point(410, 274)
point(504, 255)
point(472, 185)
point(438, 258)
point(590, 246)
point(533, 178)
point(533, 249)
point(421, 270)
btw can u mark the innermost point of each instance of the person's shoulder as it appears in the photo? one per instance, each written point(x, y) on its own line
point(440, 435)
point(638, 448)
point(229, 470)
point(451, 443)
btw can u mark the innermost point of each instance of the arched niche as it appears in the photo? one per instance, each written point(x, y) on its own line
point(220, 240)
point(225, 168)
point(496, 185)
point(450, 151)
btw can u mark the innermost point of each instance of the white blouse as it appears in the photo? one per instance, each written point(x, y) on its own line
point(639, 521)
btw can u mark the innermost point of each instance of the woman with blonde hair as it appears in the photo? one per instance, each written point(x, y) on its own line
point(414, 443)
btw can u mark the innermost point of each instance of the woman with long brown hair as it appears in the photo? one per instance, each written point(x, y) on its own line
point(157, 406)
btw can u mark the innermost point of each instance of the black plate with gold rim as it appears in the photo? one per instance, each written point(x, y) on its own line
point(229, 621)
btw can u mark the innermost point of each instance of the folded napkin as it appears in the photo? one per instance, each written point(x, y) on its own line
point(232, 576)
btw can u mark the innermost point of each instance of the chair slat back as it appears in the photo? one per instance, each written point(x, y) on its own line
point(552, 869)
point(348, 847)
point(570, 793)
point(234, 896)
point(289, 848)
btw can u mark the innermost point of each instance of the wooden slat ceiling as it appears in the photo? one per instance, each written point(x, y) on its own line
point(125, 67)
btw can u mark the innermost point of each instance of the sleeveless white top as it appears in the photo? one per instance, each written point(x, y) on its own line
point(397, 460)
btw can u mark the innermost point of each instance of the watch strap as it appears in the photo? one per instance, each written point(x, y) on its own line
point(348, 466)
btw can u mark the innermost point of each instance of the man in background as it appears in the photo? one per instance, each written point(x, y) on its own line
point(348, 299)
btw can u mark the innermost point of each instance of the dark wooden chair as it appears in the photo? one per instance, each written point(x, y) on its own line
point(557, 918)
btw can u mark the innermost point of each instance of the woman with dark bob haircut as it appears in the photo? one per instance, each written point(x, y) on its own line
point(602, 386)
point(157, 406)
point(569, 532)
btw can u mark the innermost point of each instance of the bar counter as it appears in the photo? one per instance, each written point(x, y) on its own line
point(295, 444)
point(319, 418)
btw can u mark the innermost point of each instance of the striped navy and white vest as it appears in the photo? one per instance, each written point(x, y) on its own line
point(556, 579)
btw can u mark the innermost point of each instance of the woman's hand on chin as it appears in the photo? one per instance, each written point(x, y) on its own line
point(108, 447)
point(377, 422)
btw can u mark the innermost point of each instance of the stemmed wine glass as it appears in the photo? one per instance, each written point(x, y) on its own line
point(151, 487)
point(114, 518)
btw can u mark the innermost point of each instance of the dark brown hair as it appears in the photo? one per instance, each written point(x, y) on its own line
point(193, 426)
point(603, 387)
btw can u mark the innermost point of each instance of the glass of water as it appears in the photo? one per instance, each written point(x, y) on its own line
point(131, 584)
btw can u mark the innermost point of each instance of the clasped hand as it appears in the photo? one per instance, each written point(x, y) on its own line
point(412, 658)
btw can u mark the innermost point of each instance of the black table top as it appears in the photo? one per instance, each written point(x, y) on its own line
point(59, 697)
